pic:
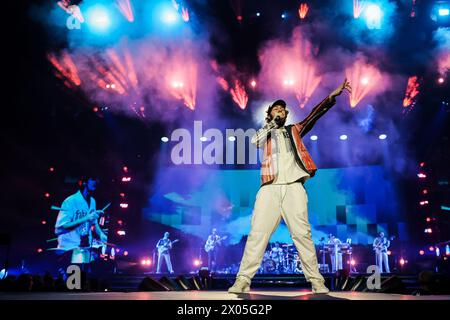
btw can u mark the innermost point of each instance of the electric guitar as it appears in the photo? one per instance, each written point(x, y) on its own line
point(382, 247)
point(211, 244)
point(166, 247)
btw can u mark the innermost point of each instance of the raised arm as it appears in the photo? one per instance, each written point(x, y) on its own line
point(320, 109)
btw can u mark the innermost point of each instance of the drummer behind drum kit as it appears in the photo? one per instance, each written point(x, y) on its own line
point(287, 261)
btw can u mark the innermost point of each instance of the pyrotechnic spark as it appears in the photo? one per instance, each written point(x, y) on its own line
point(118, 72)
point(236, 5)
point(126, 9)
point(65, 69)
point(291, 67)
point(175, 4)
point(239, 94)
point(412, 90)
point(303, 10)
point(413, 9)
point(363, 78)
point(358, 8)
point(183, 82)
point(307, 84)
point(185, 14)
point(223, 83)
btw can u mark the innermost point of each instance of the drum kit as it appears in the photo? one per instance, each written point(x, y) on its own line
point(284, 260)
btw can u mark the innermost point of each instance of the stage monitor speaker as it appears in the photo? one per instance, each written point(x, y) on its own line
point(196, 283)
point(149, 284)
point(184, 283)
point(171, 284)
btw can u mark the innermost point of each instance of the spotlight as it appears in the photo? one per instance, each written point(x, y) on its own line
point(382, 136)
point(165, 139)
point(431, 248)
point(283, 15)
point(47, 195)
point(422, 164)
point(43, 222)
point(373, 16)
point(125, 169)
point(352, 262)
point(146, 262)
point(424, 202)
point(258, 14)
point(232, 138)
point(39, 250)
point(288, 82)
point(125, 253)
point(428, 219)
point(421, 252)
point(124, 205)
point(441, 80)
point(203, 139)
point(177, 84)
point(343, 137)
point(443, 12)
point(98, 18)
point(421, 175)
point(121, 232)
point(402, 261)
point(314, 137)
point(126, 179)
point(365, 81)
point(51, 169)
point(197, 262)
point(253, 83)
point(169, 16)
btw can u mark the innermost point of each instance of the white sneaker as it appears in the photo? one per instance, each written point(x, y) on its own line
point(241, 285)
point(319, 287)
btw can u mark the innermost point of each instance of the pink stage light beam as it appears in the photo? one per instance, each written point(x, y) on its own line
point(363, 78)
point(239, 95)
point(126, 9)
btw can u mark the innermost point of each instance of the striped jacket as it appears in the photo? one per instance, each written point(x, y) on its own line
point(262, 138)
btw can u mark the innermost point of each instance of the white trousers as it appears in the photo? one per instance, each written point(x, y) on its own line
point(166, 257)
point(382, 258)
point(273, 202)
point(336, 262)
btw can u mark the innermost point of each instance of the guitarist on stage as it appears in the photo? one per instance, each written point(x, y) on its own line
point(211, 247)
point(164, 245)
point(380, 246)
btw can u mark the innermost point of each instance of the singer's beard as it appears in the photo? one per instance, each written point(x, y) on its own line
point(281, 122)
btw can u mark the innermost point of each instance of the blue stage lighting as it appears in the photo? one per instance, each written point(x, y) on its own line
point(98, 18)
point(169, 16)
point(444, 11)
point(382, 136)
point(343, 137)
point(373, 16)
point(165, 139)
point(314, 137)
